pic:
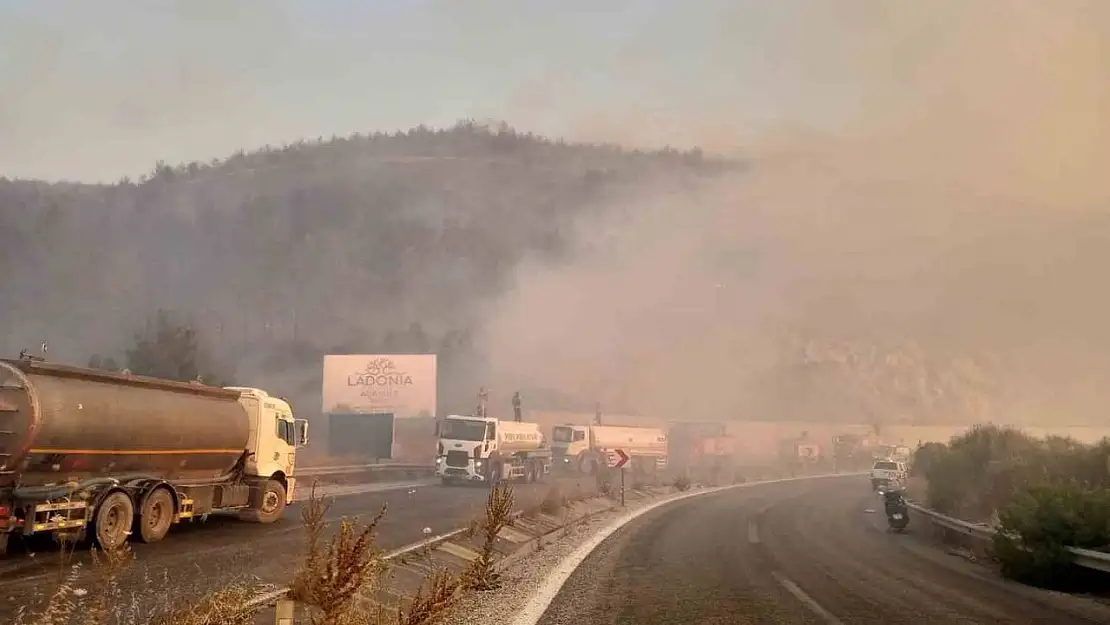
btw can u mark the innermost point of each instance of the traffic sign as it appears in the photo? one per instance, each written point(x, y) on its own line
point(617, 458)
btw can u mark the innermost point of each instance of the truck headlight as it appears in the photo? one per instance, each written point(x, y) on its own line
point(477, 464)
point(439, 459)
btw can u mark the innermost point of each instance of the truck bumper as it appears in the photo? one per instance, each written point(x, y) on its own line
point(562, 463)
point(469, 473)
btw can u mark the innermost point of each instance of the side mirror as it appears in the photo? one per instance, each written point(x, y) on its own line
point(301, 429)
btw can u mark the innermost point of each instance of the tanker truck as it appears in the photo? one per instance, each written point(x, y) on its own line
point(489, 450)
point(586, 448)
point(96, 454)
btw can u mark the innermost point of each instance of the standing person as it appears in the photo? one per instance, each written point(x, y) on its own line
point(483, 399)
point(516, 407)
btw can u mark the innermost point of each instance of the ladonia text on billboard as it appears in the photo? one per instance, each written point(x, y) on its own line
point(401, 384)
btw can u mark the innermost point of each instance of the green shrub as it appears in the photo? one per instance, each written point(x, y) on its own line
point(1049, 494)
point(1039, 526)
point(925, 457)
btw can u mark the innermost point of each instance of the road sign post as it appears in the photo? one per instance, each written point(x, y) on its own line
point(618, 458)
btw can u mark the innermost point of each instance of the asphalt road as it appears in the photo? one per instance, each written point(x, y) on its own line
point(802, 552)
point(200, 556)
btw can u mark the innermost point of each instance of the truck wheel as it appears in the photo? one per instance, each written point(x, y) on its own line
point(156, 516)
point(267, 503)
point(114, 518)
point(588, 465)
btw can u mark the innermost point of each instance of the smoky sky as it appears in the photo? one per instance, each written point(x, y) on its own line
point(961, 206)
point(923, 172)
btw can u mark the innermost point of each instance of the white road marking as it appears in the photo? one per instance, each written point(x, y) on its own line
point(808, 601)
point(753, 532)
point(538, 603)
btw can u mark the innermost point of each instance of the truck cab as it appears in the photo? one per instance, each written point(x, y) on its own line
point(567, 443)
point(274, 437)
point(589, 448)
point(487, 449)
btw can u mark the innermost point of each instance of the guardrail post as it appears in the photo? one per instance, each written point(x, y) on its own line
point(283, 612)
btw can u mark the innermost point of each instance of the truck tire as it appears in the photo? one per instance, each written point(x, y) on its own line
point(114, 517)
point(267, 503)
point(587, 465)
point(156, 515)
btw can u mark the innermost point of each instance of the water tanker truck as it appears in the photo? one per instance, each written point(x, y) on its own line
point(98, 454)
point(586, 448)
point(489, 450)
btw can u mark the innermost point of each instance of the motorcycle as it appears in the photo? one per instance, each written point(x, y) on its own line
point(897, 512)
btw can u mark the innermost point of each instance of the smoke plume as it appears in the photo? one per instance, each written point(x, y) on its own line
point(958, 203)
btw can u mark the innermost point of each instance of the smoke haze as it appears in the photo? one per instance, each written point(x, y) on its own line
point(961, 209)
point(923, 191)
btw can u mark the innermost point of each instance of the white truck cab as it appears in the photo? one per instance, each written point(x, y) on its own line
point(487, 449)
point(274, 437)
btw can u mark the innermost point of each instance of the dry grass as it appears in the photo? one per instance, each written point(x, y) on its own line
point(681, 483)
point(431, 601)
point(482, 575)
point(554, 501)
point(226, 606)
point(332, 576)
point(103, 600)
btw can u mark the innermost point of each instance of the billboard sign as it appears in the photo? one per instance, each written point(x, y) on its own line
point(403, 385)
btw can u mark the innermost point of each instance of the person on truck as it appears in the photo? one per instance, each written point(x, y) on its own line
point(483, 400)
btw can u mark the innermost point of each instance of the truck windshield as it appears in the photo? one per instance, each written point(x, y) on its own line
point(561, 434)
point(889, 466)
point(459, 430)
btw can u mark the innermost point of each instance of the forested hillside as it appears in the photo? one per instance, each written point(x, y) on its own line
point(370, 243)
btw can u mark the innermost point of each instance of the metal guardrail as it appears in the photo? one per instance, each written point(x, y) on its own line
point(362, 468)
point(1085, 558)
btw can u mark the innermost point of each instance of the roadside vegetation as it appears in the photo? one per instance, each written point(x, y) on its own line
point(336, 580)
point(1044, 495)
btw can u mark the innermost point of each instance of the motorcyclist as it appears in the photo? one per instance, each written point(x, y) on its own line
point(893, 500)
